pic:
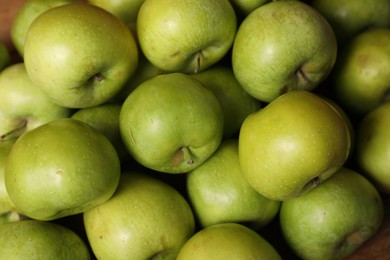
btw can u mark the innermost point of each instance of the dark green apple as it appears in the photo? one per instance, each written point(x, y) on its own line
point(5, 56)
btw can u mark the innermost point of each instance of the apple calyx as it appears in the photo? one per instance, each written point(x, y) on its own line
point(182, 155)
point(311, 184)
point(98, 77)
point(17, 131)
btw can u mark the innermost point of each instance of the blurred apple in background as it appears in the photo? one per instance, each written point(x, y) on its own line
point(30, 10)
point(373, 147)
point(362, 73)
point(145, 219)
point(236, 103)
point(227, 241)
point(333, 220)
point(5, 58)
point(61, 168)
point(292, 145)
point(219, 193)
point(23, 106)
point(186, 36)
point(171, 123)
point(282, 46)
point(31, 239)
point(79, 54)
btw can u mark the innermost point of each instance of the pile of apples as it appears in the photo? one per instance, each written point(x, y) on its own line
point(194, 129)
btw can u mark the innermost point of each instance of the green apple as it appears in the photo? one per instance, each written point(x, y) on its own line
point(29, 10)
point(5, 56)
point(219, 193)
point(61, 168)
point(145, 219)
point(227, 241)
point(283, 46)
point(236, 103)
point(23, 106)
point(186, 36)
point(292, 145)
point(349, 18)
point(32, 239)
point(373, 147)
point(79, 54)
point(171, 123)
point(333, 220)
point(362, 72)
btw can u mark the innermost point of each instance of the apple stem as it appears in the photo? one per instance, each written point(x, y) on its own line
point(302, 76)
point(15, 132)
point(183, 154)
point(198, 58)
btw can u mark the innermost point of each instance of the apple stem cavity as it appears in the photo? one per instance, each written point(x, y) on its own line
point(15, 132)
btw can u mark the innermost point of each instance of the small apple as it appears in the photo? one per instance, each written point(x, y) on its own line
point(61, 168)
point(171, 123)
point(23, 106)
point(145, 219)
point(25, 15)
point(227, 241)
point(292, 145)
point(362, 73)
point(5, 56)
point(282, 46)
point(32, 239)
point(333, 220)
point(79, 54)
point(236, 103)
point(349, 18)
point(186, 36)
point(219, 193)
point(373, 147)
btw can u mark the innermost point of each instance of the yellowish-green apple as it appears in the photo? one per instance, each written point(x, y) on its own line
point(24, 106)
point(219, 193)
point(227, 241)
point(79, 54)
point(292, 145)
point(362, 73)
point(61, 168)
point(32, 239)
point(373, 147)
point(333, 220)
point(171, 123)
point(283, 46)
point(5, 56)
point(186, 36)
point(236, 103)
point(145, 219)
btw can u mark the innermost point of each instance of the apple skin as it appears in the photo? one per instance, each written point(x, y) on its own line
point(145, 219)
point(333, 220)
point(188, 36)
point(283, 46)
point(227, 241)
point(362, 73)
point(292, 145)
point(32, 239)
point(79, 54)
point(61, 168)
point(373, 147)
point(219, 193)
point(23, 106)
point(349, 18)
point(29, 10)
point(5, 57)
point(171, 123)
point(236, 103)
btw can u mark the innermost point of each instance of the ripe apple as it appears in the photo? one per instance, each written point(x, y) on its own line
point(349, 18)
point(186, 36)
point(32, 239)
point(227, 241)
point(219, 193)
point(27, 13)
point(171, 123)
point(145, 219)
point(333, 220)
point(236, 103)
point(292, 145)
point(5, 57)
point(362, 72)
point(79, 54)
point(61, 168)
point(282, 46)
point(23, 106)
point(373, 146)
